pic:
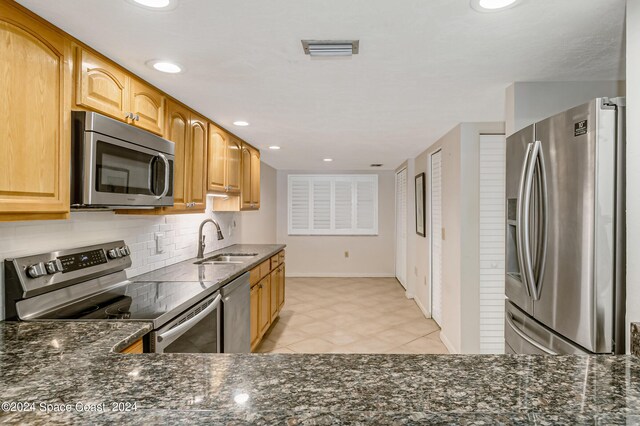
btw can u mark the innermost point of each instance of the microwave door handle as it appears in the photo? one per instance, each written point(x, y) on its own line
point(166, 175)
point(167, 335)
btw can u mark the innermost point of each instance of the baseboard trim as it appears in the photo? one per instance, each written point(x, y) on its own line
point(447, 343)
point(424, 310)
point(336, 275)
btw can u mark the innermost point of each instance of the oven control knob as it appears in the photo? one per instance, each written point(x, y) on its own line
point(36, 270)
point(53, 266)
point(124, 251)
point(113, 253)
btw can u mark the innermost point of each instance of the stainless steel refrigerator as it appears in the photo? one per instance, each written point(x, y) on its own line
point(565, 257)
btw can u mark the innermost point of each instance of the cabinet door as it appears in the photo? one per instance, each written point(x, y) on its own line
point(245, 197)
point(265, 304)
point(178, 133)
point(233, 163)
point(273, 306)
point(217, 159)
point(281, 287)
point(255, 179)
point(255, 310)
point(35, 131)
point(101, 86)
point(147, 106)
point(197, 160)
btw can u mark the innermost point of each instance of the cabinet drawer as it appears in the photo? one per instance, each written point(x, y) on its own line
point(254, 276)
point(274, 261)
point(281, 257)
point(265, 268)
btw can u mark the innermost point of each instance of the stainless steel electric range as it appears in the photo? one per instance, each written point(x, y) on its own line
point(90, 283)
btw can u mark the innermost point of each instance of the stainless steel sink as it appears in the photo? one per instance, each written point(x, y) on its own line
point(226, 258)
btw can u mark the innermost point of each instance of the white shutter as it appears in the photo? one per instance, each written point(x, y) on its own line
point(366, 199)
point(299, 211)
point(333, 204)
point(321, 210)
point(492, 234)
point(343, 204)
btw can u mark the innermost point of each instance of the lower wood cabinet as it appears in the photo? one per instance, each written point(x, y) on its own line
point(255, 307)
point(135, 348)
point(267, 297)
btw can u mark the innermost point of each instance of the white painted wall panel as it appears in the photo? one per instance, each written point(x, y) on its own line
point(436, 237)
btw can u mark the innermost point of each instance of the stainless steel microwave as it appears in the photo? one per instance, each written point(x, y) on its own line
point(114, 164)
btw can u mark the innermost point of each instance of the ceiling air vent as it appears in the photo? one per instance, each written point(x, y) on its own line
point(376, 165)
point(331, 47)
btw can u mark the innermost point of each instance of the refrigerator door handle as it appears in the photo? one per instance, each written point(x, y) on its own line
point(523, 336)
point(544, 219)
point(520, 221)
point(525, 219)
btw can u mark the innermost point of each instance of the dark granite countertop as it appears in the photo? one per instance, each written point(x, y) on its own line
point(74, 362)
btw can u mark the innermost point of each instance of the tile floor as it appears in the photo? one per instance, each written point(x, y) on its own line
point(350, 315)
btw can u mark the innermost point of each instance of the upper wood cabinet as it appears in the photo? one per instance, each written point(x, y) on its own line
point(104, 87)
point(224, 162)
point(35, 132)
point(101, 85)
point(250, 193)
point(216, 175)
point(147, 107)
point(189, 133)
point(197, 163)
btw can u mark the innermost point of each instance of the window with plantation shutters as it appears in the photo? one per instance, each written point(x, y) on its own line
point(333, 204)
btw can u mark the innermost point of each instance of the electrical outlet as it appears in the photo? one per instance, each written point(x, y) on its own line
point(159, 237)
point(415, 271)
point(425, 281)
point(346, 254)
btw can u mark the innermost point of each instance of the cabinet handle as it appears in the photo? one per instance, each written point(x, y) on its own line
point(129, 115)
point(137, 117)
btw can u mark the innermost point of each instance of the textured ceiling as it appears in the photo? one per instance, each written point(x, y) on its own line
point(423, 67)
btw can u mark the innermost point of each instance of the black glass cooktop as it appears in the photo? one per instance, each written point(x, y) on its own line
point(136, 301)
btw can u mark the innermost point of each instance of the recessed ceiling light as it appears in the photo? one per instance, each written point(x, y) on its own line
point(274, 147)
point(155, 4)
point(240, 123)
point(328, 160)
point(165, 66)
point(492, 5)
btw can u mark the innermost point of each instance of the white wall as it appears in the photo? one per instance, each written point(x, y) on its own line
point(320, 255)
point(633, 163)
point(460, 248)
point(259, 227)
point(529, 102)
point(180, 237)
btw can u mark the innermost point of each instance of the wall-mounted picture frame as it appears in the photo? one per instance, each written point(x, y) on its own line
point(420, 205)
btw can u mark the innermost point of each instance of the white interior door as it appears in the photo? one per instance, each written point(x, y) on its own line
point(436, 236)
point(401, 227)
point(492, 235)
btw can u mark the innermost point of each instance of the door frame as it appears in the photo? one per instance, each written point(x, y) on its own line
point(404, 169)
point(432, 234)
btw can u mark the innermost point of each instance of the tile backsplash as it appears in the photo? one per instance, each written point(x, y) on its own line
point(178, 237)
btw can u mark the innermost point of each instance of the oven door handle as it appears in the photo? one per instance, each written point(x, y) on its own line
point(166, 175)
point(187, 324)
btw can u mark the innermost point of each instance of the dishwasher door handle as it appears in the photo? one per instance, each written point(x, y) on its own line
point(187, 324)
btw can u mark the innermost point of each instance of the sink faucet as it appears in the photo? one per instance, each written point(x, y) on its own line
point(201, 244)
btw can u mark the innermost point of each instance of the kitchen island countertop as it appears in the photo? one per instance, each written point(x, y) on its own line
point(67, 363)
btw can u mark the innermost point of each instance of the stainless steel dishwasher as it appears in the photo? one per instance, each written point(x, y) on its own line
point(236, 315)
